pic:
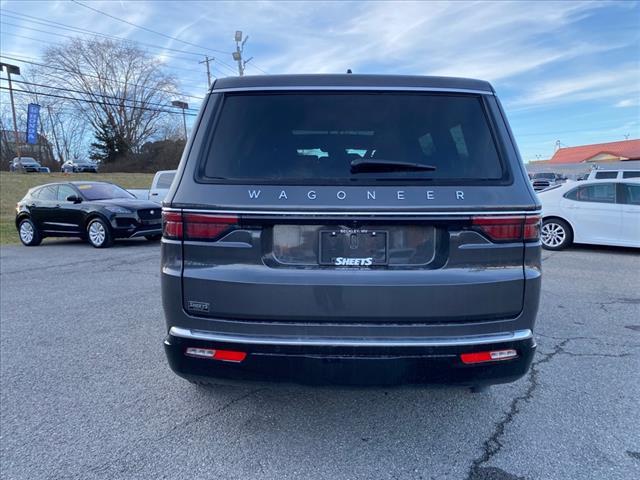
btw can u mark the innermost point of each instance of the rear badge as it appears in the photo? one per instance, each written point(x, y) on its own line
point(198, 306)
point(353, 262)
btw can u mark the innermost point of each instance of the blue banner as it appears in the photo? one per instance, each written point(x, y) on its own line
point(33, 115)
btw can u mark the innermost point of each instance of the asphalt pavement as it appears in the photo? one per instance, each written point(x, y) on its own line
point(86, 392)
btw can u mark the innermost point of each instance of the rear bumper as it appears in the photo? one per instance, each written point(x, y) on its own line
point(354, 362)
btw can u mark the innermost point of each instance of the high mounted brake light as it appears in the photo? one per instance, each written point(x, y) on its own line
point(509, 229)
point(196, 226)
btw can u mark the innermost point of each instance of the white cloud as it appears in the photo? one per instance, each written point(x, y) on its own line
point(628, 102)
point(580, 87)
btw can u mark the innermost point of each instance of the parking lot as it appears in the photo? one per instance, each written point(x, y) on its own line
point(86, 391)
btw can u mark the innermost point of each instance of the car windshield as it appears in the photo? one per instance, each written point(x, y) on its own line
point(352, 137)
point(27, 161)
point(102, 191)
point(545, 176)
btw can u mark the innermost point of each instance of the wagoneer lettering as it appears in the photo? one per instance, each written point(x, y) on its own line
point(342, 195)
point(383, 222)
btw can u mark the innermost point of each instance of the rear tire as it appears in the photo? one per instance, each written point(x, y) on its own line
point(99, 234)
point(153, 238)
point(29, 234)
point(555, 234)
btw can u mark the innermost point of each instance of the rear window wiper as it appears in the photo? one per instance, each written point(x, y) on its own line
point(381, 165)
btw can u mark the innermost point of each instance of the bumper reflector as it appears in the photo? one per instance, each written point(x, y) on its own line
point(223, 355)
point(492, 356)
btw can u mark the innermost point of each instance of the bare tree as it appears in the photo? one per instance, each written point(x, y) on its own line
point(113, 84)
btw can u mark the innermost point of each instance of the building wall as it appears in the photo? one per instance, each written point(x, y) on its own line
point(572, 170)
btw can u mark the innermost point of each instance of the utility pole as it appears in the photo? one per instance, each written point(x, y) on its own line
point(16, 71)
point(183, 106)
point(237, 55)
point(207, 60)
point(55, 137)
point(626, 136)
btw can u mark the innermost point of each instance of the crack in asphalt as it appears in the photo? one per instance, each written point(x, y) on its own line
point(107, 267)
point(634, 455)
point(593, 339)
point(618, 301)
point(126, 451)
point(493, 444)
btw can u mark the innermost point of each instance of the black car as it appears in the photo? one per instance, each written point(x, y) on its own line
point(544, 180)
point(79, 166)
point(97, 211)
point(365, 229)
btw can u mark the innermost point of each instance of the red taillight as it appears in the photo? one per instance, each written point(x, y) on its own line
point(506, 229)
point(207, 227)
point(532, 228)
point(172, 225)
point(222, 355)
point(196, 226)
point(491, 356)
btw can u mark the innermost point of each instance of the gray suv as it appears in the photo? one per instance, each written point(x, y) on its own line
point(358, 229)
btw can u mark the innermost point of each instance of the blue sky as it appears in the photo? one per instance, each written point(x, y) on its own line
point(567, 71)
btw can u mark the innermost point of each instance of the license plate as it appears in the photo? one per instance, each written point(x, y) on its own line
point(345, 247)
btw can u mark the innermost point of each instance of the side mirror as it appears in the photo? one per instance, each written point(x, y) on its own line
point(74, 199)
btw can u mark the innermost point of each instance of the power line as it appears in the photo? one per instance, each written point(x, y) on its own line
point(63, 26)
point(115, 37)
point(146, 29)
point(110, 97)
point(181, 69)
point(95, 76)
point(48, 42)
point(26, 92)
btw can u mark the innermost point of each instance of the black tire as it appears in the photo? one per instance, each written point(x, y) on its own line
point(29, 234)
point(555, 234)
point(99, 233)
point(153, 238)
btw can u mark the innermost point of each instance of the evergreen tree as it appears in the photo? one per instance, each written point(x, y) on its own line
point(109, 144)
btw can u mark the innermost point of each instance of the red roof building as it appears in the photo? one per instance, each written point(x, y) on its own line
point(599, 152)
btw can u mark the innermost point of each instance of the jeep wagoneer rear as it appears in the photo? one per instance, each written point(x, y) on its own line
point(353, 229)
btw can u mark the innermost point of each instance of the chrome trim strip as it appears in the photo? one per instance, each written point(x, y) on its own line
point(146, 232)
point(347, 213)
point(356, 342)
point(60, 224)
point(352, 88)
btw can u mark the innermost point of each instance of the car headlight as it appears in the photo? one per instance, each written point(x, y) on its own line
point(116, 209)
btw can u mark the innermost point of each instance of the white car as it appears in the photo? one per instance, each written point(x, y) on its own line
point(599, 174)
point(159, 187)
point(600, 212)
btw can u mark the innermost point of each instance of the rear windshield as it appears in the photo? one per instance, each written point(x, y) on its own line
point(316, 137)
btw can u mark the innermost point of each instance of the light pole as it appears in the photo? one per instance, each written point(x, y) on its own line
point(16, 71)
point(237, 55)
point(183, 106)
